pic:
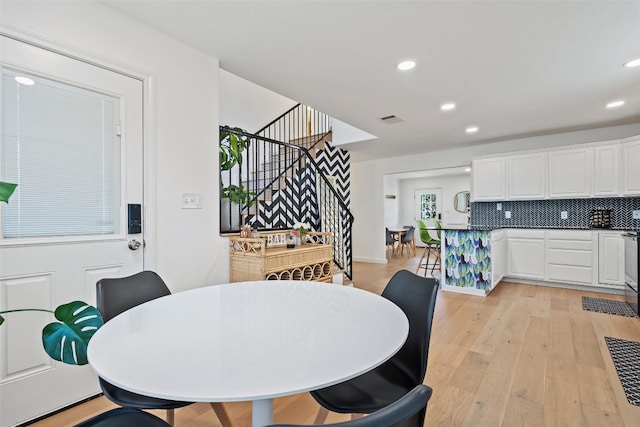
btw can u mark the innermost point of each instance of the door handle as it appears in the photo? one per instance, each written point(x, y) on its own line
point(134, 245)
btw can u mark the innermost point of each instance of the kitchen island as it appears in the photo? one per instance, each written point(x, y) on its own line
point(473, 260)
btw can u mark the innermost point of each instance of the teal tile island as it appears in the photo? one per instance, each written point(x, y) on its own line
point(474, 260)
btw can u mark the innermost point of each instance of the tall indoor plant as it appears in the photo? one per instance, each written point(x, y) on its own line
point(232, 147)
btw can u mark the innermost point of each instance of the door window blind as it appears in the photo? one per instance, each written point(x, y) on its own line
point(59, 144)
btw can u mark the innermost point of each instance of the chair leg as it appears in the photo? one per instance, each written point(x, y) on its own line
point(437, 261)
point(221, 413)
point(321, 416)
point(426, 254)
point(420, 262)
point(171, 416)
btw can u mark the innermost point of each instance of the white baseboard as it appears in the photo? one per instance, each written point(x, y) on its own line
point(586, 288)
point(371, 260)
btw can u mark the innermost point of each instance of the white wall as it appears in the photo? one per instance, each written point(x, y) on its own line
point(449, 185)
point(367, 203)
point(184, 128)
point(246, 105)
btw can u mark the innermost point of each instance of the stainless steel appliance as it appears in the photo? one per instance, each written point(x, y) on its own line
point(631, 260)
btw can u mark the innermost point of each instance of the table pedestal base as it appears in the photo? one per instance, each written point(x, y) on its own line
point(261, 412)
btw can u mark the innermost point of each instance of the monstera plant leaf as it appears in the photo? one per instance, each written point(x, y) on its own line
point(6, 190)
point(67, 341)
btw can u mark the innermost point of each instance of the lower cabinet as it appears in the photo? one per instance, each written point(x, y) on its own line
point(525, 254)
point(570, 256)
point(575, 257)
point(610, 259)
point(498, 256)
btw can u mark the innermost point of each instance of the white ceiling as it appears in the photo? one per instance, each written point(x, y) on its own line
point(514, 69)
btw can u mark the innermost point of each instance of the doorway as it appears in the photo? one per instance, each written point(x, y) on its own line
point(72, 139)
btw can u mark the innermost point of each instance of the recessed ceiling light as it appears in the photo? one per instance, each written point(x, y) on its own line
point(406, 65)
point(615, 104)
point(467, 169)
point(24, 80)
point(448, 106)
point(633, 63)
point(471, 129)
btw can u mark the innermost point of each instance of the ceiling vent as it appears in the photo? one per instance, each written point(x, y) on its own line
point(391, 119)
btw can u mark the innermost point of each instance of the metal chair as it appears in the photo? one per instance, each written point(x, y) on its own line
point(124, 417)
point(387, 383)
point(408, 411)
point(114, 296)
point(431, 244)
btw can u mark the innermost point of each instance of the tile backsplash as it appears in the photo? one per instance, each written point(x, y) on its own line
point(549, 213)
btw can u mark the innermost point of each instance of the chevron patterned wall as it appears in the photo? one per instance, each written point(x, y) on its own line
point(297, 201)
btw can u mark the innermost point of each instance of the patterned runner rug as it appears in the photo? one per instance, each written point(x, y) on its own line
point(626, 359)
point(620, 308)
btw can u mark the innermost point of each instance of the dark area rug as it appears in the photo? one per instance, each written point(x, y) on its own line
point(608, 306)
point(626, 359)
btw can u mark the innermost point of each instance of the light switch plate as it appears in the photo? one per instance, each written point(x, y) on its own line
point(191, 200)
point(563, 215)
point(499, 206)
point(636, 214)
point(507, 214)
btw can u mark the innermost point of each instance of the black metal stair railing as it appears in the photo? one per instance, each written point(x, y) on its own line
point(285, 185)
point(301, 125)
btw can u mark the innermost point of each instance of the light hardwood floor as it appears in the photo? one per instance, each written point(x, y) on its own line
point(523, 356)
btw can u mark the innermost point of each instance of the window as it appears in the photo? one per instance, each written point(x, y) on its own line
point(427, 203)
point(60, 145)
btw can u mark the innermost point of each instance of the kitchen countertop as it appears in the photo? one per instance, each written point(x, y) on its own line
point(489, 228)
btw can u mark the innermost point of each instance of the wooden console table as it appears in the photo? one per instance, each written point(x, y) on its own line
point(268, 258)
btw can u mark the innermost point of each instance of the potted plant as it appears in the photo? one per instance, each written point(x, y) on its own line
point(300, 230)
point(232, 147)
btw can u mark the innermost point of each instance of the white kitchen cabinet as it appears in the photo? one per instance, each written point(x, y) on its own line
point(527, 176)
point(489, 179)
point(570, 256)
point(570, 173)
point(498, 256)
point(610, 259)
point(606, 170)
point(525, 254)
point(630, 168)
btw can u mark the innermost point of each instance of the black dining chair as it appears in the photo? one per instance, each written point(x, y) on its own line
point(408, 411)
point(116, 295)
point(124, 417)
point(407, 240)
point(391, 242)
point(387, 383)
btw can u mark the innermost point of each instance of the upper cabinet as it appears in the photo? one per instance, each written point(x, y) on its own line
point(605, 169)
point(570, 173)
point(489, 179)
point(527, 176)
point(631, 167)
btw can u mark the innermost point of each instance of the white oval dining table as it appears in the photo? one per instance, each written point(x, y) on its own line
point(248, 341)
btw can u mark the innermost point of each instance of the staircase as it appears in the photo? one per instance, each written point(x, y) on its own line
point(293, 174)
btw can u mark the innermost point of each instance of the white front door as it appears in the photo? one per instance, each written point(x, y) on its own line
point(72, 141)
